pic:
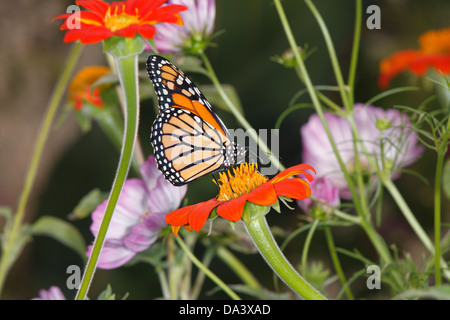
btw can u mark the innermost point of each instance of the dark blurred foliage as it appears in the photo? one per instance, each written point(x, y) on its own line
point(33, 54)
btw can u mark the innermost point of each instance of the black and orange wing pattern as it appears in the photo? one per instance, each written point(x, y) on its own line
point(189, 139)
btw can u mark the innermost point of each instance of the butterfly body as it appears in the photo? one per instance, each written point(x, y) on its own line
point(189, 139)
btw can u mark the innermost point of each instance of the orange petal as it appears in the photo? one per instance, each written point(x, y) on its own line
point(200, 213)
point(395, 64)
point(98, 6)
point(264, 195)
point(175, 230)
point(232, 209)
point(293, 171)
point(180, 216)
point(295, 188)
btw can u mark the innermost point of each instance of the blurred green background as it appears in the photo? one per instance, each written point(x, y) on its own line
point(33, 54)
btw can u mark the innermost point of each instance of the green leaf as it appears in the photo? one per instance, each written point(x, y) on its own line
point(107, 79)
point(387, 93)
point(263, 294)
point(88, 204)
point(438, 292)
point(6, 213)
point(107, 294)
point(61, 231)
point(446, 179)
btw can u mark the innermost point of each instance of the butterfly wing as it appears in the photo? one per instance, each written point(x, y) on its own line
point(188, 138)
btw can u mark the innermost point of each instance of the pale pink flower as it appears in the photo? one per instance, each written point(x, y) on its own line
point(387, 137)
point(326, 196)
point(198, 25)
point(53, 293)
point(138, 217)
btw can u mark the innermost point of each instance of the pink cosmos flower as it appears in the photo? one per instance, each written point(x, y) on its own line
point(326, 194)
point(198, 26)
point(138, 217)
point(386, 135)
point(53, 293)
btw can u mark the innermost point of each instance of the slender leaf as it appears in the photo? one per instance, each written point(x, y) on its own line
point(88, 204)
point(61, 231)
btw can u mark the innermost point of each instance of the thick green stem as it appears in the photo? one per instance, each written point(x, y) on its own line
point(262, 238)
point(8, 256)
point(127, 71)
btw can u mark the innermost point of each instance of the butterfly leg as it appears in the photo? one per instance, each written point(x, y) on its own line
point(215, 180)
point(229, 178)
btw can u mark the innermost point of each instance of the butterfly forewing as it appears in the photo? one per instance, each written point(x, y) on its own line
point(188, 138)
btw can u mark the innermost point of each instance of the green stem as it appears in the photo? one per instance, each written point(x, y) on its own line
point(238, 267)
point(127, 71)
point(239, 117)
point(307, 244)
point(355, 51)
point(46, 125)
point(361, 208)
point(333, 57)
point(206, 261)
point(344, 91)
point(415, 225)
point(173, 272)
point(262, 238)
point(337, 263)
point(377, 241)
point(437, 217)
point(208, 272)
point(315, 100)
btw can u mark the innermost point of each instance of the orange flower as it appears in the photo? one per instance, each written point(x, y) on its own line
point(80, 88)
point(434, 52)
point(245, 184)
point(120, 18)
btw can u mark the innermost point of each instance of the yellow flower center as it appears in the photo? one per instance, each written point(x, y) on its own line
point(244, 179)
point(117, 21)
point(436, 41)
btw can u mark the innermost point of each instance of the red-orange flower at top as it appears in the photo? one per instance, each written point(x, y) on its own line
point(120, 18)
point(245, 184)
point(434, 52)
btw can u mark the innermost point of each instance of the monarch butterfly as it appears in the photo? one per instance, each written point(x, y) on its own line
point(189, 139)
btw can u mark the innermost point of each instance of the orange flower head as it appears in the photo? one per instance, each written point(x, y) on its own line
point(435, 41)
point(120, 18)
point(244, 184)
point(80, 88)
point(244, 179)
point(434, 53)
